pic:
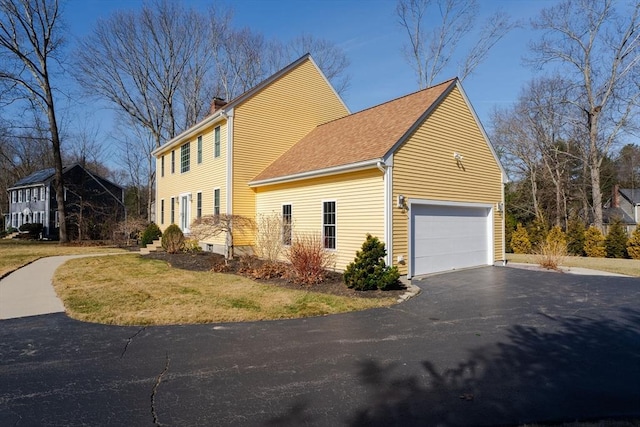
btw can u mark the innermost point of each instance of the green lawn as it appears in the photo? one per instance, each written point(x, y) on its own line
point(630, 267)
point(17, 253)
point(132, 290)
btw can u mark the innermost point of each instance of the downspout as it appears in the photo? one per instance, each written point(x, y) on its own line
point(387, 171)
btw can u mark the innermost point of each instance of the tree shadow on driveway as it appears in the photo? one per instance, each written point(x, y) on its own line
point(583, 368)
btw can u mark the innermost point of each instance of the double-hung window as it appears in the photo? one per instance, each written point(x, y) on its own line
point(216, 201)
point(173, 210)
point(162, 166)
point(162, 211)
point(185, 157)
point(216, 142)
point(329, 224)
point(14, 196)
point(199, 149)
point(19, 196)
point(199, 205)
point(28, 195)
point(287, 222)
point(173, 161)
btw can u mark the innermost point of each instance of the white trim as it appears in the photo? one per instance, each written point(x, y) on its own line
point(322, 202)
point(490, 220)
point(201, 203)
point(330, 85)
point(213, 203)
point(353, 167)
point(282, 205)
point(221, 113)
point(229, 150)
point(189, 133)
point(388, 210)
point(184, 226)
point(505, 178)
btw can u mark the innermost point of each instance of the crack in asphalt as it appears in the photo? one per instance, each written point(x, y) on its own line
point(129, 340)
point(155, 390)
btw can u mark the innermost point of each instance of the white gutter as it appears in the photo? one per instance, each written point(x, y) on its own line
point(352, 167)
point(387, 171)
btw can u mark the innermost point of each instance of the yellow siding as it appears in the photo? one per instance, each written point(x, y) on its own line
point(424, 168)
point(270, 122)
point(203, 177)
point(359, 198)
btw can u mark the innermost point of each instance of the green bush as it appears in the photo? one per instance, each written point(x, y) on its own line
point(520, 243)
point(616, 241)
point(537, 230)
point(368, 270)
point(173, 239)
point(594, 243)
point(575, 237)
point(633, 244)
point(34, 229)
point(151, 232)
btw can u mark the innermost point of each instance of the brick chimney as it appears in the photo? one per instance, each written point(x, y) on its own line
point(615, 197)
point(217, 104)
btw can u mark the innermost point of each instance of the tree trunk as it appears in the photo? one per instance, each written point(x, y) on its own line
point(595, 160)
point(57, 159)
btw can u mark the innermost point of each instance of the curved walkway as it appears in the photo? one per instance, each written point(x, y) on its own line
point(29, 291)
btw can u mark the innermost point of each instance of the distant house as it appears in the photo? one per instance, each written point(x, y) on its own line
point(92, 203)
point(418, 172)
point(624, 206)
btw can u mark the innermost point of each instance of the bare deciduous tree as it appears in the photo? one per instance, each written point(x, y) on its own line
point(211, 226)
point(431, 50)
point(147, 63)
point(30, 38)
point(598, 51)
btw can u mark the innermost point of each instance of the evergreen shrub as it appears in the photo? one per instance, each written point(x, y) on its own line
point(575, 237)
point(368, 270)
point(594, 243)
point(520, 243)
point(633, 244)
point(151, 232)
point(616, 241)
point(173, 239)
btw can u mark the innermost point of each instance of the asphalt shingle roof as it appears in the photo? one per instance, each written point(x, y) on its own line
point(632, 195)
point(36, 177)
point(362, 136)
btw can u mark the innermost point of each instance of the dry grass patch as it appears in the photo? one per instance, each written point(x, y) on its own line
point(18, 253)
point(630, 267)
point(131, 290)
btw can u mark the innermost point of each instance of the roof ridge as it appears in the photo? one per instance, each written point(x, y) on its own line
point(446, 82)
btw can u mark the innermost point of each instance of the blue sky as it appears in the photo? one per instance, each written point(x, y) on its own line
point(368, 32)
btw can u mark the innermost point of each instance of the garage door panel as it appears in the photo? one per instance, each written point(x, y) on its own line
point(448, 237)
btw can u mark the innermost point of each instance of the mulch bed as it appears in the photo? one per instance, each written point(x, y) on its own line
point(245, 266)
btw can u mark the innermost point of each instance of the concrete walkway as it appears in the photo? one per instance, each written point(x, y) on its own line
point(28, 291)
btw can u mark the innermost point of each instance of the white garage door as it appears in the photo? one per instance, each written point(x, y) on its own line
point(448, 237)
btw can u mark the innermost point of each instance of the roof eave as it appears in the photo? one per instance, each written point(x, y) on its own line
point(222, 113)
point(334, 170)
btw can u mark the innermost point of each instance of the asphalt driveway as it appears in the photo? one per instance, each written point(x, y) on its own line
point(488, 346)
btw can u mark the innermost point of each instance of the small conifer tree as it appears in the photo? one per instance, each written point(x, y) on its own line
point(537, 230)
point(616, 241)
point(594, 242)
point(557, 236)
point(173, 239)
point(520, 242)
point(575, 237)
point(633, 244)
point(150, 233)
point(368, 270)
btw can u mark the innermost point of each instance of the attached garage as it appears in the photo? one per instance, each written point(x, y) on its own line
point(449, 236)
